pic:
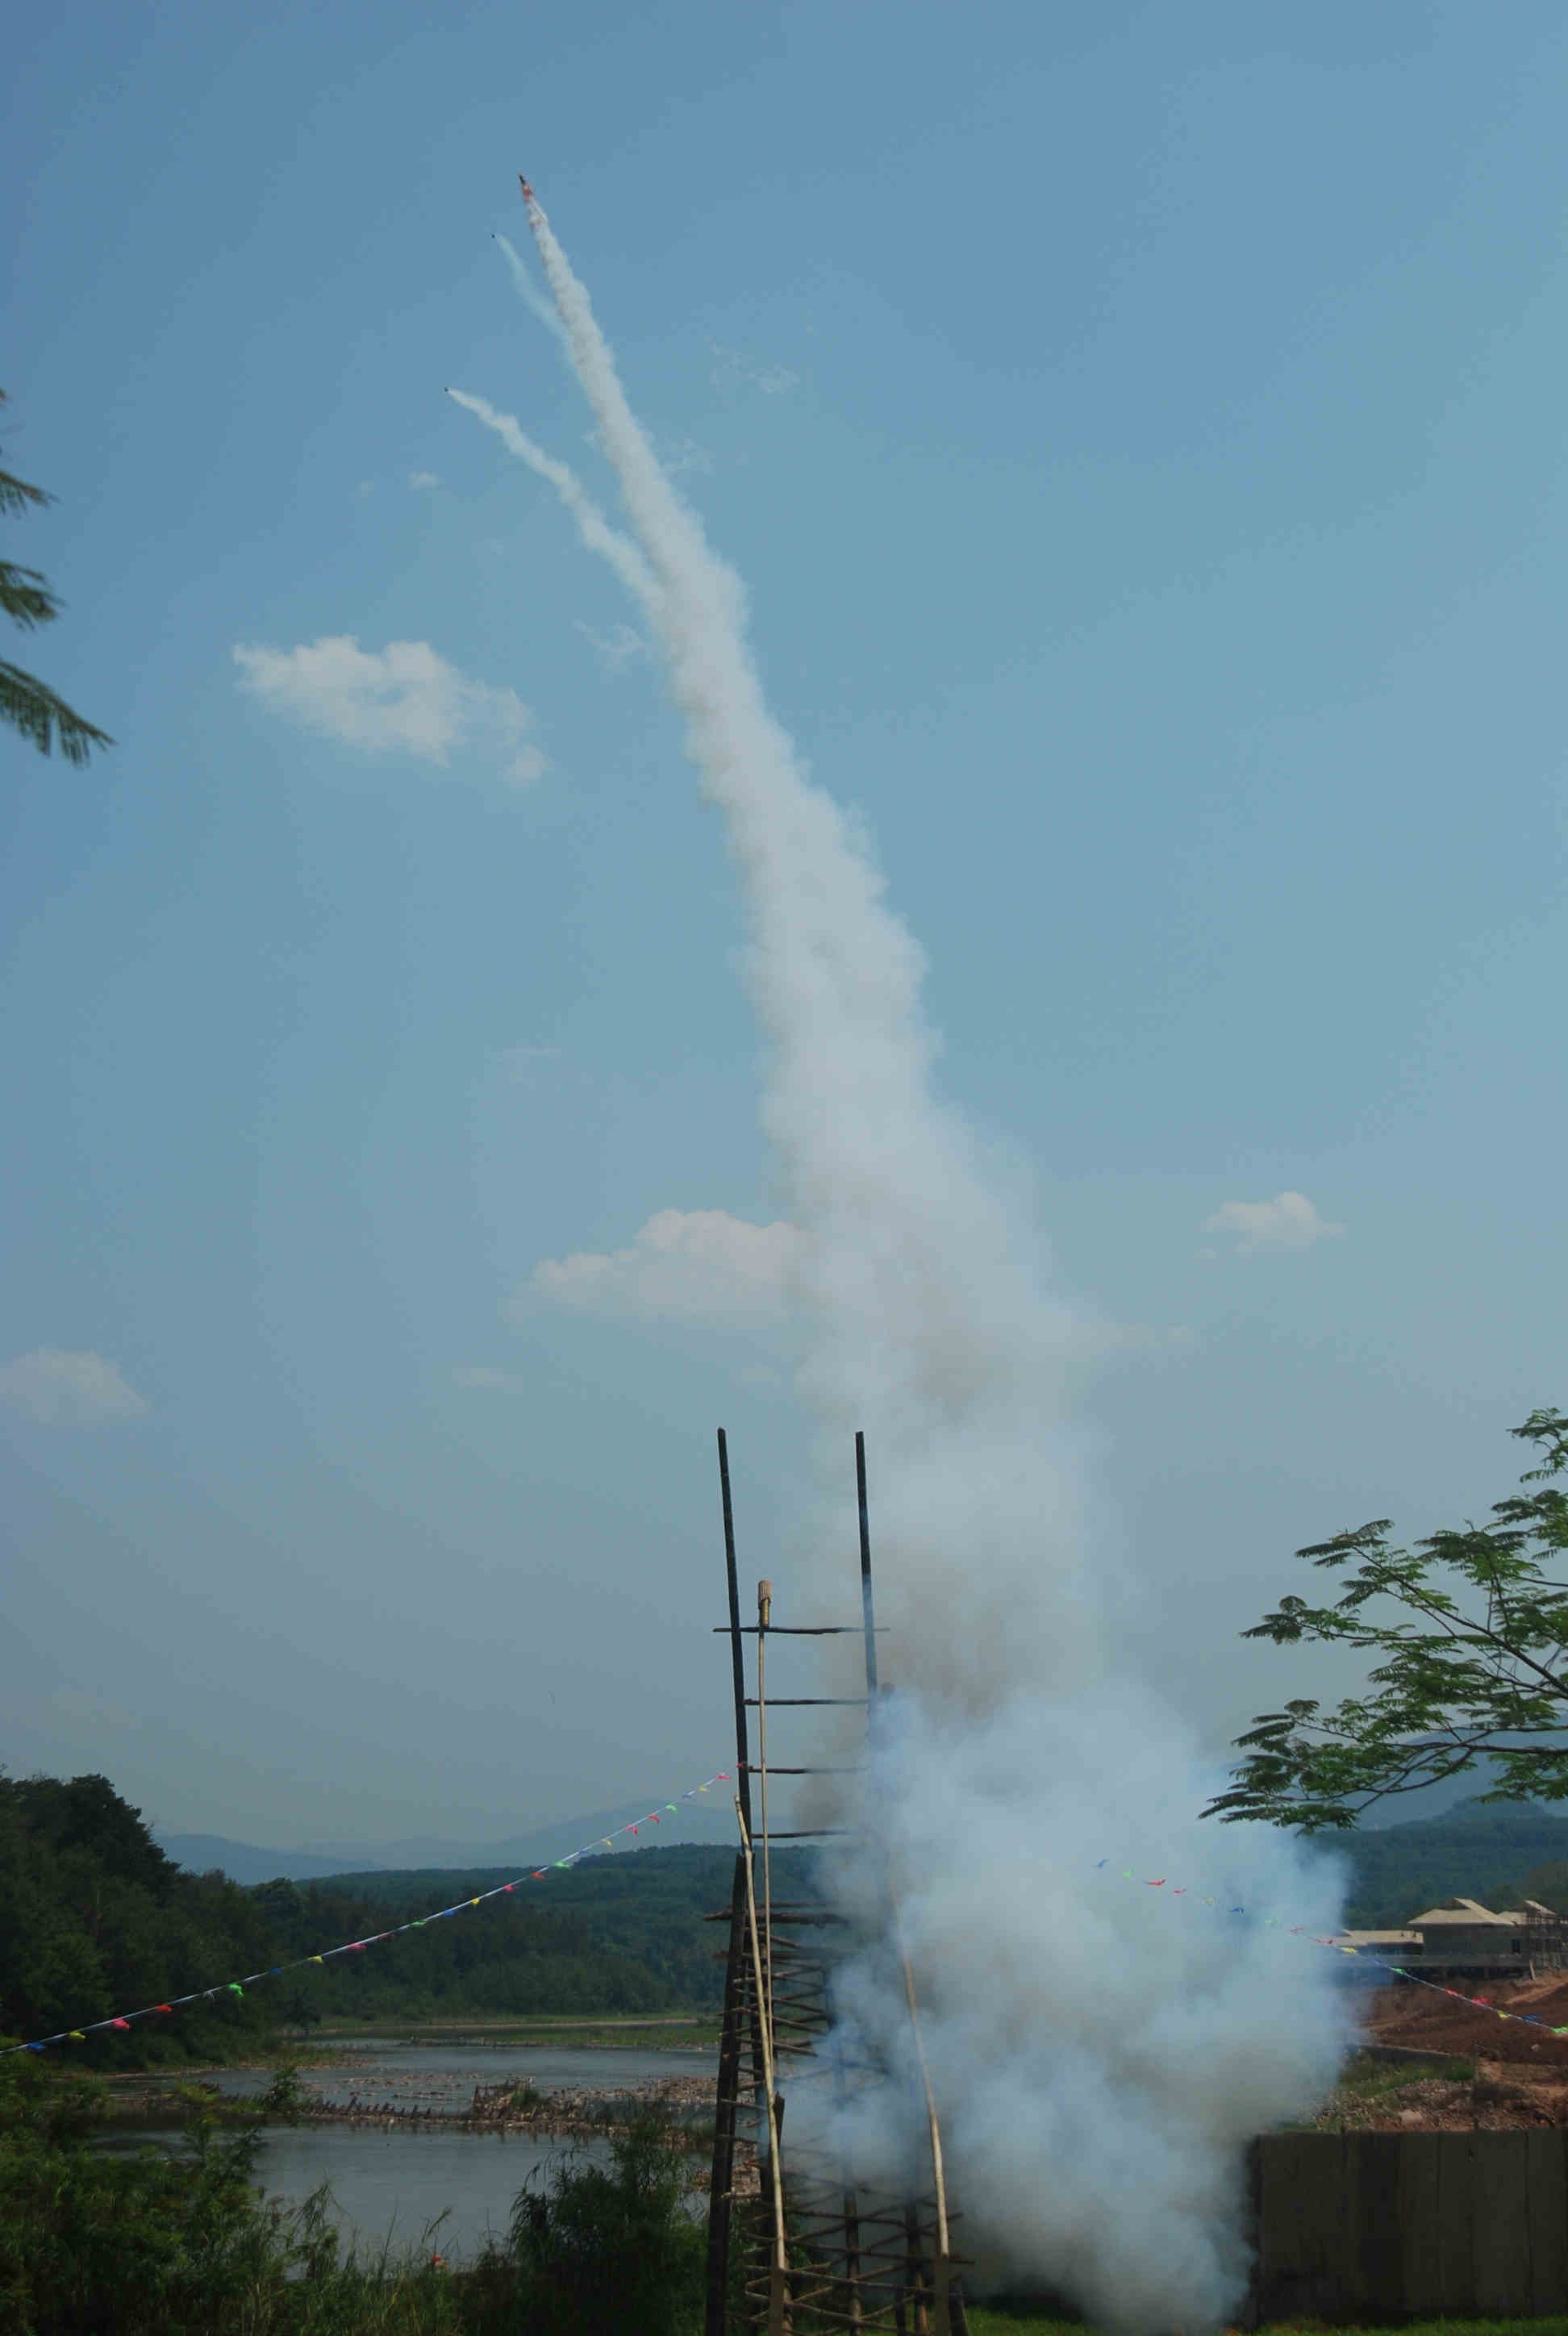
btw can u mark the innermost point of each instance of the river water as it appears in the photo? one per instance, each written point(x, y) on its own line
point(390, 2186)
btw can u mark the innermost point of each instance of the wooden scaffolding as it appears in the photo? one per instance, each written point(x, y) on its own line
point(800, 2238)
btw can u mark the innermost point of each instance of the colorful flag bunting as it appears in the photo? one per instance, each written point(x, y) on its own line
point(123, 2020)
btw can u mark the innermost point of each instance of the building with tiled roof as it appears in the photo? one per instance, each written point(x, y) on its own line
point(1461, 1935)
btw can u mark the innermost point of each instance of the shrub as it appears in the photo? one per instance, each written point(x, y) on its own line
point(612, 2251)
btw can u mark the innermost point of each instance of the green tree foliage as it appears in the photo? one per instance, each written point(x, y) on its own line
point(151, 2241)
point(615, 1934)
point(1470, 1632)
point(1547, 1883)
point(90, 2242)
point(28, 704)
point(94, 1920)
point(611, 2250)
point(1495, 1853)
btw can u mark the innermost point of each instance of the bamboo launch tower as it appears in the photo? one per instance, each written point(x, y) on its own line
point(800, 2237)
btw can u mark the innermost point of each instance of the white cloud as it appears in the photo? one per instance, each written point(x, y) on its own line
point(402, 699)
point(694, 1265)
point(422, 480)
point(1289, 1221)
point(615, 649)
point(63, 1390)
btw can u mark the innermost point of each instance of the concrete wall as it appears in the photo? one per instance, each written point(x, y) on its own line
point(1373, 2225)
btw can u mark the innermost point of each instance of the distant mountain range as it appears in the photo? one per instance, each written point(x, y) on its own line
point(247, 1862)
point(1478, 1850)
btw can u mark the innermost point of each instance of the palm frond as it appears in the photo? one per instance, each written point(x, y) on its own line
point(26, 596)
point(16, 494)
point(43, 716)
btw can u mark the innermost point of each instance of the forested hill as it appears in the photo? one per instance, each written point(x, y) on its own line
point(622, 1932)
point(1492, 1851)
point(95, 1920)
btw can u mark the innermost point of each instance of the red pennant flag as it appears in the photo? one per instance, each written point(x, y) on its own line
point(120, 2023)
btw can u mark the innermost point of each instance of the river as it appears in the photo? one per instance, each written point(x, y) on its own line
point(390, 2185)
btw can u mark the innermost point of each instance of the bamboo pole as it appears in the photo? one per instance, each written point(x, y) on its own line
point(778, 2318)
point(944, 2259)
point(763, 1617)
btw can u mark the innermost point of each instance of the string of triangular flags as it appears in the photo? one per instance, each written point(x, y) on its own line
point(123, 2020)
point(1378, 1962)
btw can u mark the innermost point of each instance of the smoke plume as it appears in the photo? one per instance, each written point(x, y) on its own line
point(1100, 2050)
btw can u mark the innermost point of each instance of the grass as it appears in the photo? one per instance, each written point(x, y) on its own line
point(684, 2032)
point(1368, 2078)
point(1021, 2321)
point(1364, 2083)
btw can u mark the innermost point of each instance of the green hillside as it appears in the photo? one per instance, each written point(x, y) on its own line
point(1485, 1850)
point(95, 1918)
point(618, 1934)
point(95, 1921)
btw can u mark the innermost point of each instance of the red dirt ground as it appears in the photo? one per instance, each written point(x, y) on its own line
point(1424, 2022)
point(1520, 2074)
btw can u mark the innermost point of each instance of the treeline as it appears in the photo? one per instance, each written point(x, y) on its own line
point(1492, 1851)
point(95, 1920)
point(620, 1933)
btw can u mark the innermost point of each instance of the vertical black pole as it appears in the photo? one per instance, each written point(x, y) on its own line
point(866, 1567)
point(737, 1664)
point(721, 2186)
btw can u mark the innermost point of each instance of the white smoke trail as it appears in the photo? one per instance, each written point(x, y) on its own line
point(596, 530)
point(1100, 2058)
point(532, 297)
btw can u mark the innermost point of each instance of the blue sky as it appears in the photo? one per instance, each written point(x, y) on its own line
point(1140, 432)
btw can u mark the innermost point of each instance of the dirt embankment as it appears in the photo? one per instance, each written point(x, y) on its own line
point(1426, 2021)
point(1517, 2076)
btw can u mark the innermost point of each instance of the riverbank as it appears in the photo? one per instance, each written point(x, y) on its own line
point(681, 2106)
point(344, 2042)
